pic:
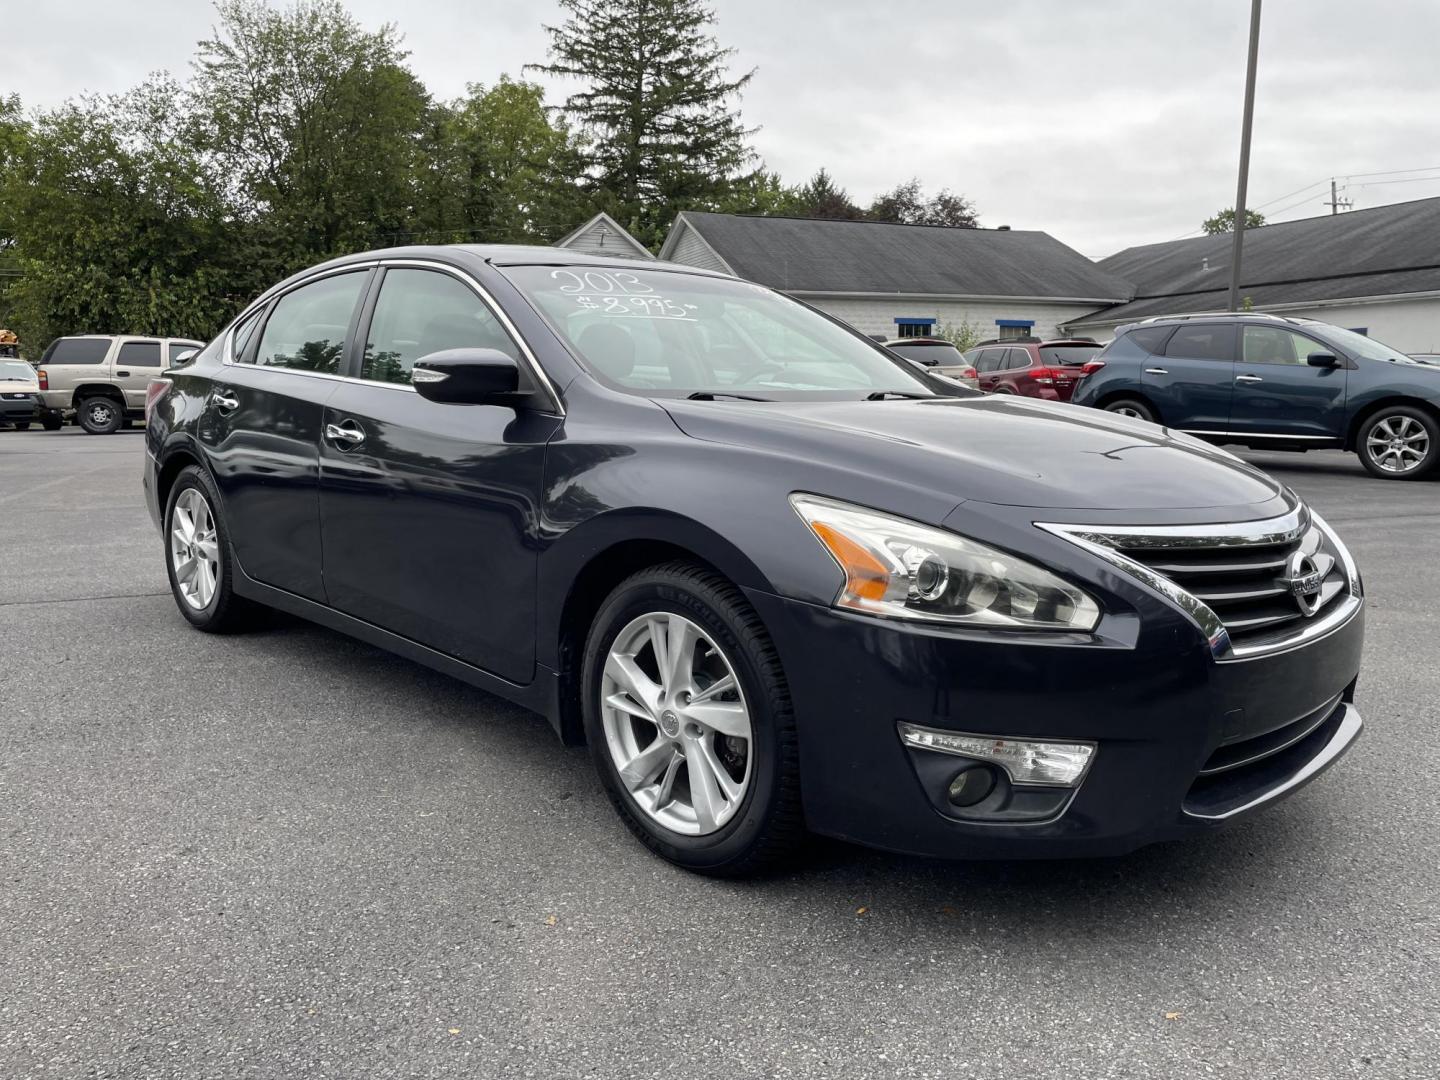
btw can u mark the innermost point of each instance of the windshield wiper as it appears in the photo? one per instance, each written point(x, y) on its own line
point(711, 395)
point(881, 395)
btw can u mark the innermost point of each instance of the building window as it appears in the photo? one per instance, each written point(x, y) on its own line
point(1014, 329)
point(914, 327)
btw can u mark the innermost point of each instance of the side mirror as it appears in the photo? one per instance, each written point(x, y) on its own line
point(469, 377)
point(184, 356)
point(1323, 360)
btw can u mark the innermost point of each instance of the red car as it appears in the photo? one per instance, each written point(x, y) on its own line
point(1030, 367)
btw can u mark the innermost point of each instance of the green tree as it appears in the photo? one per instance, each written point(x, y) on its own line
point(496, 169)
point(821, 197)
point(1224, 221)
point(906, 204)
point(317, 120)
point(658, 104)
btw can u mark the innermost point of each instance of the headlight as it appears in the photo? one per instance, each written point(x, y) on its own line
point(904, 570)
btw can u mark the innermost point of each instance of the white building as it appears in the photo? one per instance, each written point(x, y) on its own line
point(1376, 271)
point(603, 235)
point(904, 280)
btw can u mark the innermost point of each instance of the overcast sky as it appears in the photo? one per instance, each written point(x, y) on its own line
point(1106, 123)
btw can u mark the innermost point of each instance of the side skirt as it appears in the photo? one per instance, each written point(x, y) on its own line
point(542, 695)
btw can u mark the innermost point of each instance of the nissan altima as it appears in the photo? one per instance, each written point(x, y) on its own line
point(775, 577)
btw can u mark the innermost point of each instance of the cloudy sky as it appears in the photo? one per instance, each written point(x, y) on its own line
point(1106, 123)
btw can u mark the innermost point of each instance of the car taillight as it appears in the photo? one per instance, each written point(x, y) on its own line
point(1091, 366)
point(154, 391)
point(1044, 376)
point(969, 373)
point(44, 379)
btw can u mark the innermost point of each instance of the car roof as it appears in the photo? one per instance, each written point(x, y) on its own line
point(510, 255)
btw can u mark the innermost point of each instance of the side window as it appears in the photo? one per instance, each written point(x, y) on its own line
point(1019, 358)
point(243, 334)
point(420, 312)
point(77, 350)
point(306, 328)
point(180, 348)
point(1149, 338)
point(135, 354)
point(1272, 345)
point(1208, 341)
point(990, 360)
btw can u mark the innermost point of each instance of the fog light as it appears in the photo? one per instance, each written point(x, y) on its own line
point(971, 785)
point(1052, 764)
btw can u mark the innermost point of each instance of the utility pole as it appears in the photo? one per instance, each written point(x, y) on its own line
point(1244, 155)
point(1335, 201)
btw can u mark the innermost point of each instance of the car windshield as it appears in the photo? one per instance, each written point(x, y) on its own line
point(1067, 355)
point(665, 333)
point(16, 371)
point(1360, 345)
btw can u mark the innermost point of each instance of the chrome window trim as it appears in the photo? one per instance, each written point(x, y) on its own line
point(227, 353)
point(1099, 541)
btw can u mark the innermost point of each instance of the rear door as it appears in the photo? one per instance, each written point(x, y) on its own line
point(1278, 393)
point(1193, 381)
point(430, 511)
point(989, 365)
point(262, 425)
point(135, 362)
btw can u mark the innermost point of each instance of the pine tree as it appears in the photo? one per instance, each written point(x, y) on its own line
point(658, 104)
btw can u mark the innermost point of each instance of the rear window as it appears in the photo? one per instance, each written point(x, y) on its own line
point(77, 350)
point(1067, 355)
point(930, 355)
point(139, 354)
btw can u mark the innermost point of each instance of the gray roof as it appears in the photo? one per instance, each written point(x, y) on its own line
point(1382, 251)
point(814, 255)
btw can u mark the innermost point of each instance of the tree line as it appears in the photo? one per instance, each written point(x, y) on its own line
point(299, 134)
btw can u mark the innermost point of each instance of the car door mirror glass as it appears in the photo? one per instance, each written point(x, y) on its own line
point(1323, 360)
point(469, 377)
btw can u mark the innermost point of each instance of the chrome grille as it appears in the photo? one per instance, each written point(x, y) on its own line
point(1253, 588)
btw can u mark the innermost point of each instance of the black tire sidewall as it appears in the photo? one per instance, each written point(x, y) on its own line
point(1147, 413)
point(117, 414)
point(212, 615)
point(738, 837)
point(1426, 467)
point(52, 423)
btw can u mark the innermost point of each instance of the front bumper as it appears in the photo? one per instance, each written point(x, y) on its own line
point(1157, 705)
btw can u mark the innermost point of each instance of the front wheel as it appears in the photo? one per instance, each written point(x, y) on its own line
point(689, 722)
point(52, 421)
point(100, 415)
point(1399, 443)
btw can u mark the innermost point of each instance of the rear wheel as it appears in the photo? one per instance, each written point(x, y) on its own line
point(52, 421)
point(198, 559)
point(1399, 443)
point(1131, 407)
point(689, 722)
point(100, 415)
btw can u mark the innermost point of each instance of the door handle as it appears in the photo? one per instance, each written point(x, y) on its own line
point(1248, 378)
point(348, 432)
point(122, 374)
point(225, 401)
point(1156, 371)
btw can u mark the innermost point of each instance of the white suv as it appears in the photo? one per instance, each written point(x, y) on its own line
point(102, 378)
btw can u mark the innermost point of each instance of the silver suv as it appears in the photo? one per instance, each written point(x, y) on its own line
point(101, 379)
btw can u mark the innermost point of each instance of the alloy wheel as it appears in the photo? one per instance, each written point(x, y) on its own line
point(1127, 410)
point(676, 724)
point(194, 549)
point(1398, 444)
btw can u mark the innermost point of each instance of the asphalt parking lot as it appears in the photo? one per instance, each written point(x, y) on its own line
point(288, 854)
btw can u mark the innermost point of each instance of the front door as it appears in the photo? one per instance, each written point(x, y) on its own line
point(1191, 384)
point(135, 364)
point(430, 512)
point(262, 425)
point(1278, 393)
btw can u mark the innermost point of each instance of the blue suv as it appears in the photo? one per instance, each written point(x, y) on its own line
point(1273, 383)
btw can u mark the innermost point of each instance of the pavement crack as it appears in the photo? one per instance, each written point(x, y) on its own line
point(82, 599)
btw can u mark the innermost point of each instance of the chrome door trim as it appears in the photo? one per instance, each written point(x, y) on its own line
point(1240, 436)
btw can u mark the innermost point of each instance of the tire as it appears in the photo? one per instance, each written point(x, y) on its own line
point(24, 425)
point(52, 421)
point(1400, 442)
point(216, 610)
point(754, 823)
point(100, 415)
point(1132, 407)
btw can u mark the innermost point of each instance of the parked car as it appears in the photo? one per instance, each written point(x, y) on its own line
point(101, 379)
point(18, 391)
point(937, 354)
point(1273, 383)
point(1031, 367)
point(781, 582)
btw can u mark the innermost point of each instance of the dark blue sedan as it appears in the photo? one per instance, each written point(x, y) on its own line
point(1275, 384)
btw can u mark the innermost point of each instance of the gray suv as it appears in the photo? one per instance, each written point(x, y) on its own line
point(101, 379)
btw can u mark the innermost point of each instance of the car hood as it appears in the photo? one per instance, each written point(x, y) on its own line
point(998, 449)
